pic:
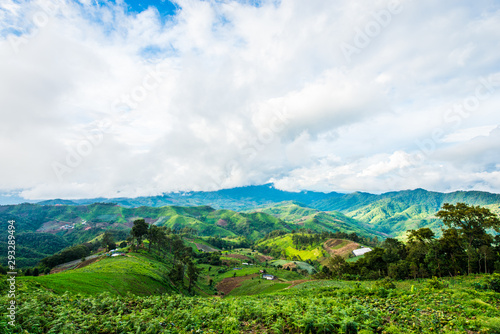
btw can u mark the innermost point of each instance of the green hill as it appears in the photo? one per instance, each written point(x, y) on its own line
point(318, 221)
point(396, 212)
point(135, 273)
point(283, 245)
point(45, 229)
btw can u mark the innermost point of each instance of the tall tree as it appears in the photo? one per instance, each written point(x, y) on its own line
point(139, 230)
point(108, 241)
point(193, 274)
point(471, 222)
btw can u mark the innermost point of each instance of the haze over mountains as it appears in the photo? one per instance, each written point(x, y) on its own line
point(245, 198)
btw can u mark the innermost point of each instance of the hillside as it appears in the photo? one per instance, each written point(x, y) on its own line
point(306, 248)
point(395, 212)
point(302, 307)
point(283, 247)
point(389, 213)
point(135, 273)
point(45, 229)
point(316, 220)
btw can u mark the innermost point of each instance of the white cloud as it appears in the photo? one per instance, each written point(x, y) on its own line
point(468, 134)
point(97, 101)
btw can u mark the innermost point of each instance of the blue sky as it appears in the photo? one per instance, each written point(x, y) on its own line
point(123, 99)
point(165, 8)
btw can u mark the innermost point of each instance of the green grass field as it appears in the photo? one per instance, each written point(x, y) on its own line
point(137, 274)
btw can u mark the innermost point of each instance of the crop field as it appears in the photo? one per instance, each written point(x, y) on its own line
point(137, 274)
point(456, 305)
point(299, 264)
point(285, 243)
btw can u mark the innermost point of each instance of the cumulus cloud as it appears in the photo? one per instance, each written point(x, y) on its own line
point(98, 100)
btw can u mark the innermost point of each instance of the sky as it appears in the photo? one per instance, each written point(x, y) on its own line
point(127, 98)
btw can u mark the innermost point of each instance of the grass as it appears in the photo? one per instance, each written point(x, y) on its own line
point(137, 274)
point(285, 244)
point(258, 286)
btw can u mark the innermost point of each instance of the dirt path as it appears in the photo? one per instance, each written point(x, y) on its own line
point(297, 282)
point(229, 284)
point(69, 265)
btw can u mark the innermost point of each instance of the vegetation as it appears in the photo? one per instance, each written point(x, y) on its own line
point(311, 307)
point(169, 279)
point(465, 247)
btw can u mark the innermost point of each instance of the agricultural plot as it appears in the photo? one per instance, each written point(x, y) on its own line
point(430, 306)
point(294, 264)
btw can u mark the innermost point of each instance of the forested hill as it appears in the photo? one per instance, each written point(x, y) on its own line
point(247, 198)
point(249, 212)
point(46, 229)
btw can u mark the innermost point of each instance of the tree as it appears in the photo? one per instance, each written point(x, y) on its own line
point(155, 235)
point(421, 235)
point(108, 241)
point(471, 222)
point(335, 265)
point(139, 230)
point(395, 250)
point(193, 274)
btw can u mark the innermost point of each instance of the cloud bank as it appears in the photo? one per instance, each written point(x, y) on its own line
point(99, 100)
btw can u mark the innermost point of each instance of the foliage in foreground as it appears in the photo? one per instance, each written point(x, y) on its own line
point(313, 307)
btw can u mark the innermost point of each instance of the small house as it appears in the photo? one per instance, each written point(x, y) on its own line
point(245, 264)
point(268, 276)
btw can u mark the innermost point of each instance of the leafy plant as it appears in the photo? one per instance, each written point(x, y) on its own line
point(436, 284)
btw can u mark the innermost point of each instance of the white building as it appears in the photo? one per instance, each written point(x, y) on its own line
point(361, 251)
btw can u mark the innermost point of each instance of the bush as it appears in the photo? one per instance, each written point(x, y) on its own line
point(351, 328)
point(493, 282)
point(436, 284)
point(386, 283)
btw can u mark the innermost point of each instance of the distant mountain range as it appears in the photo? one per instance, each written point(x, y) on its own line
point(390, 213)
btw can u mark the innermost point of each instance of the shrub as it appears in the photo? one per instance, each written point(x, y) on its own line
point(351, 327)
point(435, 283)
point(493, 282)
point(386, 283)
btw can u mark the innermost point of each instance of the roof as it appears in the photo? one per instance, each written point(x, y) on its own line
point(361, 251)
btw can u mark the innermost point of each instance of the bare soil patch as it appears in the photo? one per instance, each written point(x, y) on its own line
point(205, 248)
point(263, 258)
point(289, 265)
point(87, 262)
point(221, 222)
point(229, 284)
point(342, 251)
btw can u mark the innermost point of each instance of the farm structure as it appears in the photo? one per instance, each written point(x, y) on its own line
point(361, 251)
